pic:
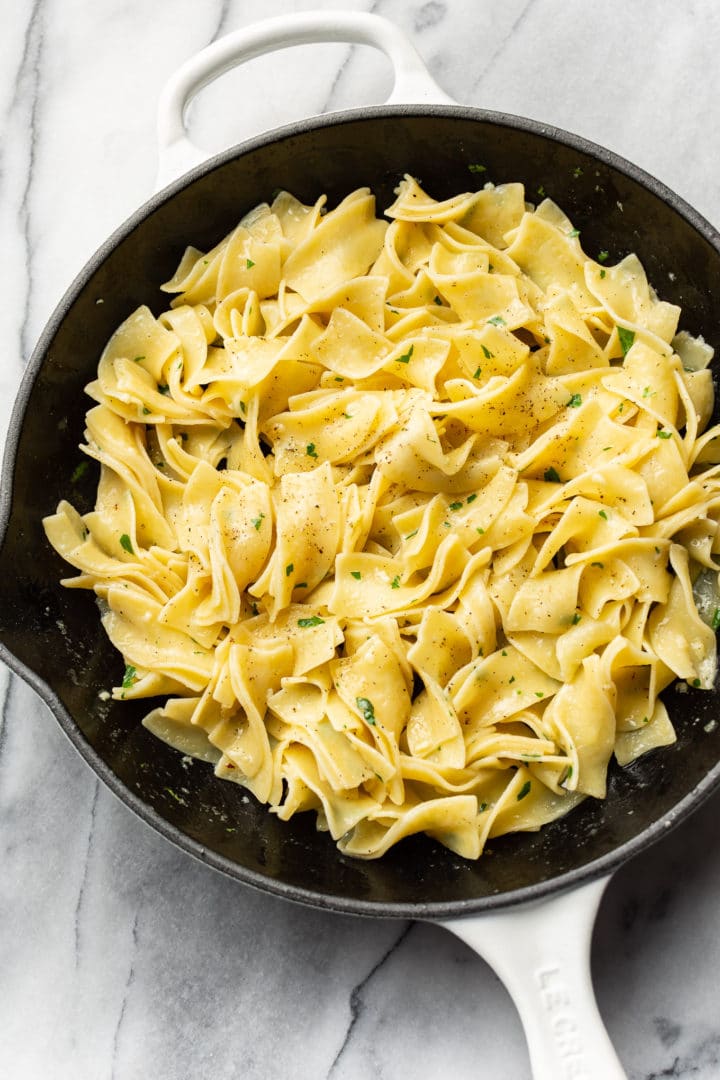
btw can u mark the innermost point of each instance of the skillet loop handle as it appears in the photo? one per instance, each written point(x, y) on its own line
point(541, 952)
point(413, 82)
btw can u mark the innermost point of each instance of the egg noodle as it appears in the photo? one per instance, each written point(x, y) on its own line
point(405, 521)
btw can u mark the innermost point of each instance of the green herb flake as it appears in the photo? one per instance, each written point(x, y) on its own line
point(647, 392)
point(477, 373)
point(663, 434)
point(471, 498)
point(395, 583)
point(696, 683)
point(482, 807)
point(356, 574)
point(367, 709)
point(129, 677)
point(437, 300)
point(603, 515)
point(573, 233)
point(175, 796)
point(603, 256)
point(455, 506)
point(257, 522)
point(539, 693)
point(504, 652)
point(301, 585)
point(552, 476)
point(575, 402)
point(289, 569)
point(576, 619)
point(163, 389)
point(314, 620)
point(477, 168)
point(410, 535)
point(137, 359)
point(511, 679)
point(486, 352)
point(715, 624)
point(480, 531)
point(146, 411)
point(126, 544)
point(602, 274)
point(249, 264)
point(601, 565)
point(577, 172)
point(242, 406)
point(497, 320)
point(79, 471)
point(524, 790)
point(310, 450)
point(541, 191)
point(405, 358)
point(626, 339)
point(339, 378)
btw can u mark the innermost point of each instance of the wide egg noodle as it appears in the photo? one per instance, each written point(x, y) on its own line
point(409, 525)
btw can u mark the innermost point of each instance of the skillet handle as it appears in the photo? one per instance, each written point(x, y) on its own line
point(541, 952)
point(413, 83)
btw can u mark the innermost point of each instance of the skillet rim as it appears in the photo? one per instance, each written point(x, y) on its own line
point(605, 864)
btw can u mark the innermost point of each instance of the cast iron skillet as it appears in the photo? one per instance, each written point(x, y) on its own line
point(53, 639)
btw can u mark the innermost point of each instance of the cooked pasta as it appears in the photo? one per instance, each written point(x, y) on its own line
point(403, 521)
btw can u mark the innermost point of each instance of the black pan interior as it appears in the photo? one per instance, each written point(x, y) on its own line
point(53, 637)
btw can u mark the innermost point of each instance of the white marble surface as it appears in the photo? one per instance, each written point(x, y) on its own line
point(120, 957)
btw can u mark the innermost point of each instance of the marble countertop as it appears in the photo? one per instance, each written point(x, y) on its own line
point(119, 956)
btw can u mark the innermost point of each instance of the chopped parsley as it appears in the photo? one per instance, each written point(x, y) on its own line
point(524, 790)
point(437, 300)
point(626, 339)
point(164, 389)
point(367, 709)
point(126, 544)
point(539, 693)
point(511, 680)
point(486, 352)
point(602, 274)
point(552, 476)
point(314, 620)
point(663, 434)
point(715, 619)
point(696, 683)
point(482, 807)
point(257, 522)
point(477, 373)
point(289, 569)
point(129, 677)
point(249, 264)
point(410, 535)
point(575, 402)
point(137, 359)
point(356, 574)
point(603, 515)
point(310, 450)
point(599, 564)
point(146, 411)
point(576, 619)
point(477, 168)
point(603, 256)
point(647, 392)
point(472, 498)
point(395, 583)
point(497, 320)
point(405, 358)
point(541, 191)
point(79, 471)
point(577, 172)
point(480, 531)
point(455, 506)
point(573, 233)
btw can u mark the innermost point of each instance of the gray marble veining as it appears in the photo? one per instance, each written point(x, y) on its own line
point(119, 956)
